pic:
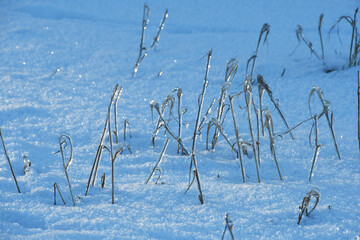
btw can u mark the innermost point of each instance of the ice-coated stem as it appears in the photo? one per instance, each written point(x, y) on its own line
point(159, 161)
point(237, 135)
point(61, 142)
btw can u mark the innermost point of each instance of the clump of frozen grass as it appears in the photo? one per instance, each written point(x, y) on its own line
point(57, 188)
point(108, 132)
point(161, 27)
point(229, 225)
point(304, 208)
point(8, 159)
point(143, 50)
point(354, 57)
point(156, 167)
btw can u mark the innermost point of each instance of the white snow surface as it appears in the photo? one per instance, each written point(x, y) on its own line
point(95, 44)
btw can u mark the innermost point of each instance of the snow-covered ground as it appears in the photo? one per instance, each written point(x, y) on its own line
point(95, 44)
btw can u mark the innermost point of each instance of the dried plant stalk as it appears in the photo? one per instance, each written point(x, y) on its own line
point(358, 93)
point(113, 157)
point(193, 162)
point(237, 135)
point(56, 187)
point(62, 139)
point(163, 123)
point(100, 146)
point(248, 100)
point(145, 21)
point(317, 146)
point(115, 115)
point(169, 99)
point(321, 41)
point(180, 113)
point(270, 127)
point(117, 93)
point(228, 225)
point(159, 161)
point(126, 125)
point(326, 105)
point(266, 87)
point(8, 159)
point(161, 27)
point(201, 125)
point(231, 68)
point(313, 193)
point(264, 30)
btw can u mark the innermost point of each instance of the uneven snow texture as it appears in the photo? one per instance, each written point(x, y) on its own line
point(95, 44)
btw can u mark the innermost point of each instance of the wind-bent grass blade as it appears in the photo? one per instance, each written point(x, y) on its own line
point(145, 21)
point(100, 146)
point(304, 208)
point(355, 39)
point(300, 37)
point(161, 27)
point(180, 113)
point(159, 161)
point(264, 30)
point(115, 115)
point(113, 157)
point(62, 139)
point(229, 225)
point(269, 125)
point(266, 87)
point(56, 187)
point(196, 130)
point(248, 101)
point(237, 135)
point(326, 105)
point(8, 159)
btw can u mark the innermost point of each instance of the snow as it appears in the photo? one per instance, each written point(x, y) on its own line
point(60, 62)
